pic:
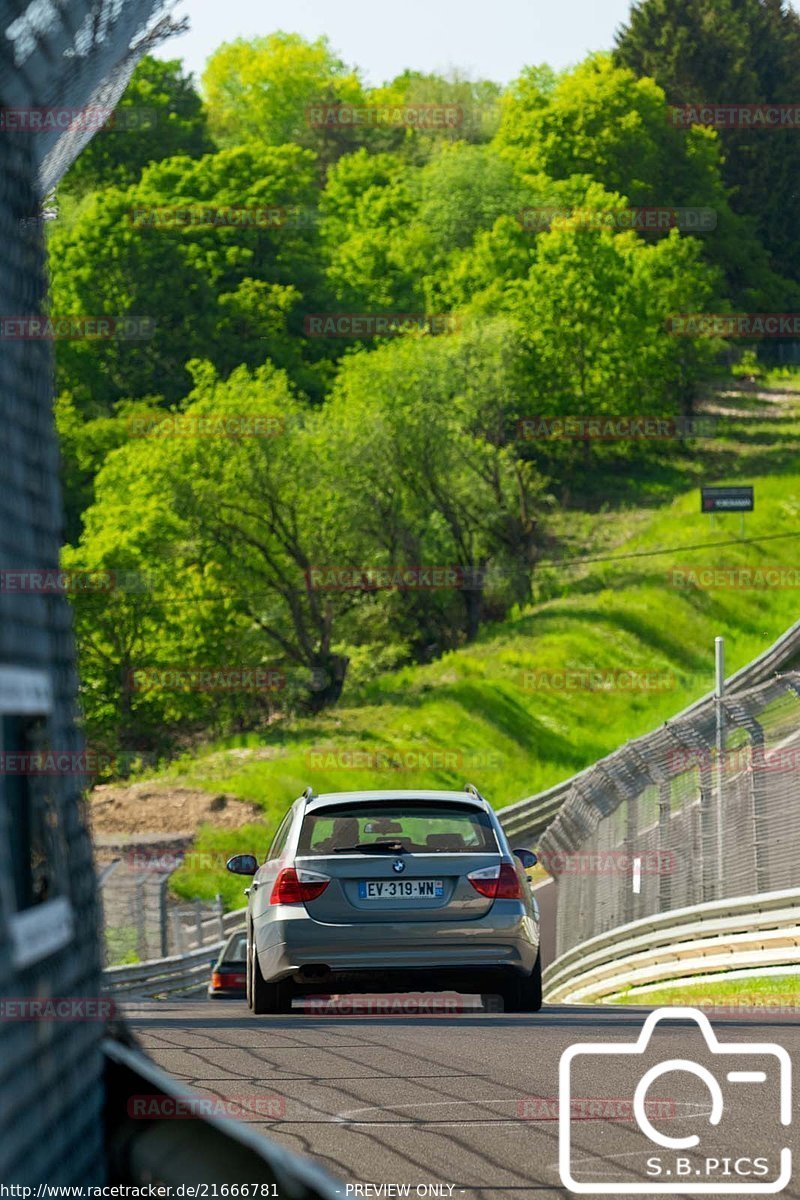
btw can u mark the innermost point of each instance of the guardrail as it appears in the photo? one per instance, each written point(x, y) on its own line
point(749, 932)
point(175, 974)
point(529, 818)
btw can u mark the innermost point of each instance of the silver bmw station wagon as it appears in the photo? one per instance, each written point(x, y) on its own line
point(417, 890)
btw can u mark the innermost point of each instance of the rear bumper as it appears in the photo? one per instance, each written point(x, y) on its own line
point(507, 938)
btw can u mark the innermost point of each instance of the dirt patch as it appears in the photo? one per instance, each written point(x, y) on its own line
point(148, 808)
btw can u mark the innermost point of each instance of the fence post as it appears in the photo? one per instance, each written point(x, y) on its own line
point(631, 836)
point(719, 692)
point(102, 879)
point(708, 830)
point(198, 919)
point(664, 817)
point(141, 919)
point(162, 915)
point(177, 931)
point(758, 798)
point(219, 911)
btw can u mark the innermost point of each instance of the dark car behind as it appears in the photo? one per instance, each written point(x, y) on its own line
point(229, 972)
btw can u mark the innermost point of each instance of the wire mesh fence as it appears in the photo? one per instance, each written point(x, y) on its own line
point(707, 807)
point(141, 919)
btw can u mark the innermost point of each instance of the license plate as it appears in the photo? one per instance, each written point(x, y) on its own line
point(400, 889)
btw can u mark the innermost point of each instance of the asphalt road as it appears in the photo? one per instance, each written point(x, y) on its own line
point(469, 1102)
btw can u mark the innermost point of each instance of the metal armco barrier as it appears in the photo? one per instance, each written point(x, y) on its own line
point(175, 974)
point(748, 933)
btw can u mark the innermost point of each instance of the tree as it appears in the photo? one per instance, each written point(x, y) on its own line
point(367, 207)
point(223, 287)
point(254, 508)
point(159, 115)
point(212, 536)
point(731, 52)
point(85, 444)
point(392, 231)
point(141, 600)
point(420, 427)
point(464, 188)
point(263, 90)
point(472, 111)
point(600, 123)
point(590, 315)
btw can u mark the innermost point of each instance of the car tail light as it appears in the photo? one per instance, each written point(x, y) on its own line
point(497, 883)
point(216, 981)
point(297, 887)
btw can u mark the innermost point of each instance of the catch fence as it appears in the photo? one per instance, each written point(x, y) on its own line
point(141, 919)
point(705, 808)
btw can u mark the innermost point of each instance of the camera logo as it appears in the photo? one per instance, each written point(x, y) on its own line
point(759, 1076)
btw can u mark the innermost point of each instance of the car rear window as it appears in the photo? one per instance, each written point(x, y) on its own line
point(236, 951)
point(418, 827)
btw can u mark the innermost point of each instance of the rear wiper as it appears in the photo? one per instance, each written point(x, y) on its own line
point(361, 847)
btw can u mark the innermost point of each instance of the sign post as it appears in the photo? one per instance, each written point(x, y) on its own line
point(727, 499)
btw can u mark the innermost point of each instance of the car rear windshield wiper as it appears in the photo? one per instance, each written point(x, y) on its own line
point(363, 847)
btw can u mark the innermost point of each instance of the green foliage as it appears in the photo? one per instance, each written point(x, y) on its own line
point(226, 292)
point(121, 943)
point(748, 367)
point(473, 109)
point(406, 466)
point(382, 453)
point(160, 115)
point(264, 90)
point(423, 428)
point(164, 507)
point(196, 881)
point(732, 52)
point(591, 315)
point(367, 207)
point(281, 88)
point(602, 123)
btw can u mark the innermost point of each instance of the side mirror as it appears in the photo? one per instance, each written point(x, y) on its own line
point(526, 857)
point(242, 864)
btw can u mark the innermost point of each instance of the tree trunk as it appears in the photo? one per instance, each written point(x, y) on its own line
point(328, 675)
point(472, 598)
